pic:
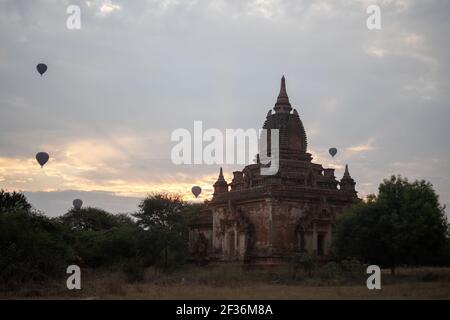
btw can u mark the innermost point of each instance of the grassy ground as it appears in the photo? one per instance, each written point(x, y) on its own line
point(231, 282)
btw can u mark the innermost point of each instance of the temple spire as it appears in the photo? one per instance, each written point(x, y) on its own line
point(347, 183)
point(346, 173)
point(283, 93)
point(221, 184)
point(283, 105)
point(220, 175)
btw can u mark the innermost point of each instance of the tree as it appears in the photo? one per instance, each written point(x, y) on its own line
point(93, 219)
point(161, 210)
point(12, 201)
point(109, 247)
point(102, 238)
point(405, 224)
point(164, 217)
point(32, 247)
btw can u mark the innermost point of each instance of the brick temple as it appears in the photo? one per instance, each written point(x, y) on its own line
point(263, 219)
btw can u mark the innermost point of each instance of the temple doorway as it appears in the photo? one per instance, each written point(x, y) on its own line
point(320, 244)
point(231, 246)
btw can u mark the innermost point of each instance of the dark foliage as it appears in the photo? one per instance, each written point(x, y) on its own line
point(164, 218)
point(93, 219)
point(404, 225)
point(34, 247)
point(13, 201)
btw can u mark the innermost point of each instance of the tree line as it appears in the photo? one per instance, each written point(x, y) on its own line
point(35, 247)
point(403, 225)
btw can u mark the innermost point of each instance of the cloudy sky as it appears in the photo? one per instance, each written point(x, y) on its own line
point(137, 70)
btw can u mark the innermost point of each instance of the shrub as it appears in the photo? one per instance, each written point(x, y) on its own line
point(134, 270)
point(404, 225)
point(33, 247)
point(107, 247)
point(331, 270)
point(302, 262)
point(352, 268)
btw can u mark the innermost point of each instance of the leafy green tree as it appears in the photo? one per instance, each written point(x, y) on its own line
point(164, 217)
point(93, 219)
point(32, 247)
point(161, 211)
point(108, 247)
point(405, 224)
point(12, 201)
point(102, 238)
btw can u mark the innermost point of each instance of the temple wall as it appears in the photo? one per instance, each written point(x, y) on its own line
point(229, 240)
point(218, 214)
point(286, 216)
point(277, 229)
point(193, 236)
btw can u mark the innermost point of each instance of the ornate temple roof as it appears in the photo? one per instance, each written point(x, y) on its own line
point(283, 105)
point(297, 175)
point(293, 142)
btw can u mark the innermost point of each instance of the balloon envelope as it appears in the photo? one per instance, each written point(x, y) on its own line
point(332, 151)
point(196, 190)
point(77, 203)
point(41, 68)
point(42, 158)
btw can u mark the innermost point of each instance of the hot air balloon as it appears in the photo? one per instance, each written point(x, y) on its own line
point(332, 151)
point(42, 158)
point(77, 203)
point(196, 190)
point(41, 68)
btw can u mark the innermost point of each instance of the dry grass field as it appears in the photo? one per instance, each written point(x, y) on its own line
point(231, 282)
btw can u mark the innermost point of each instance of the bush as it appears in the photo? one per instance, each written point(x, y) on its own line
point(33, 247)
point(301, 263)
point(93, 219)
point(107, 247)
point(404, 225)
point(430, 277)
point(134, 270)
point(165, 217)
point(353, 269)
point(331, 270)
point(13, 201)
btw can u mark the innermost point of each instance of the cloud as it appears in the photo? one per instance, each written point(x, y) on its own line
point(378, 52)
point(413, 39)
point(122, 164)
point(56, 203)
point(265, 8)
point(137, 70)
point(104, 7)
point(368, 146)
